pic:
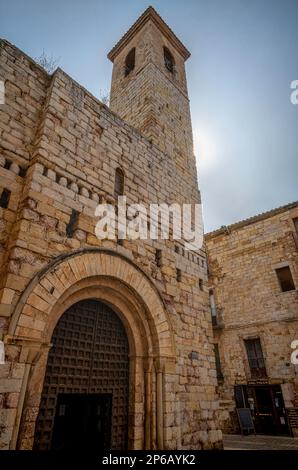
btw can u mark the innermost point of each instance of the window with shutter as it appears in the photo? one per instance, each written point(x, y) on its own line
point(255, 358)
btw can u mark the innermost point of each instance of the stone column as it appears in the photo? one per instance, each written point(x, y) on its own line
point(148, 365)
point(159, 367)
point(137, 404)
point(29, 355)
point(15, 432)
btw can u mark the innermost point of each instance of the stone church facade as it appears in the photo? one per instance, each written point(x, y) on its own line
point(115, 331)
point(253, 280)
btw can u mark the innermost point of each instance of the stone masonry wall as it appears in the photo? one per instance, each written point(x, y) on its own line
point(249, 300)
point(68, 145)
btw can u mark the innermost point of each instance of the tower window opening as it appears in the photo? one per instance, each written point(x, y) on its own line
point(130, 62)
point(169, 60)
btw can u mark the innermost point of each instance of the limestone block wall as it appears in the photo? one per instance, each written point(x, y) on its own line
point(69, 146)
point(242, 262)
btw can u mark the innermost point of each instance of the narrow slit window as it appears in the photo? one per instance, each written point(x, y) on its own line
point(158, 258)
point(178, 275)
point(285, 279)
point(119, 183)
point(296, 224)
point(7, 164)
point(169, 60)
point(219, 373)
point(201, 286)
point(72, 224)
point(130, 62)
point(22, 172)
point(4, 198)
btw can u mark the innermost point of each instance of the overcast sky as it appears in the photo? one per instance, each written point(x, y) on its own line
point(244, 57)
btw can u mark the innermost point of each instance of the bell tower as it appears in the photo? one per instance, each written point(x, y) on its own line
point(149, 89)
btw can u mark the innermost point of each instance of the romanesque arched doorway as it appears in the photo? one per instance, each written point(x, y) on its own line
point(119, 283)
point(84, 402)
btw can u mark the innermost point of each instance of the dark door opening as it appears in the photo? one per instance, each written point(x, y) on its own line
point(84, 401)
point(264, 411)
point(268, 409)
point(82, 421)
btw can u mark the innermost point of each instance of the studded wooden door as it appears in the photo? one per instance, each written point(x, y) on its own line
point(89, 356)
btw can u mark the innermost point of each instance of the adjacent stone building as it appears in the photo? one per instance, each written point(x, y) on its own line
point(105, 342)
point(253, 269)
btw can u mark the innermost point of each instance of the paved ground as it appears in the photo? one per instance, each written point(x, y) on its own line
point(252, 442)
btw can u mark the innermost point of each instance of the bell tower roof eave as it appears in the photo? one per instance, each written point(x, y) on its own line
point(149, 14)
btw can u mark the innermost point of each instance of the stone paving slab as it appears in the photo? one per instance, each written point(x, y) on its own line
point(259, 442)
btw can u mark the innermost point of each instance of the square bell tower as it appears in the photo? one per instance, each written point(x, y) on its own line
point(149, 88)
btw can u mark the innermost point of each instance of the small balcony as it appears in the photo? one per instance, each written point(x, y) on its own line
point(258, 373)
point(217, 320)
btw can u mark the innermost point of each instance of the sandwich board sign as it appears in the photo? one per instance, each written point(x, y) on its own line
point(245, 420)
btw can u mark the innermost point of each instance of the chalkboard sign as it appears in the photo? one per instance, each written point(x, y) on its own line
point(245, 419)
